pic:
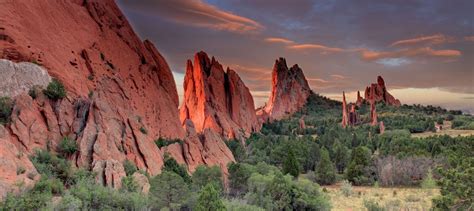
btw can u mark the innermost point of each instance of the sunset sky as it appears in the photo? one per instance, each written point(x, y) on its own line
point(423, 49)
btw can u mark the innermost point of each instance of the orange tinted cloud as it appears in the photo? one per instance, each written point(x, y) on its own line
point(427, 40)
point(279, 40)
point(315, 47)
point(197, 13)
point(416, 52)
point(469, 38)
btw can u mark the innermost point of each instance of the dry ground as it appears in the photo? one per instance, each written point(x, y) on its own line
point(449, 132)
point(391, 198)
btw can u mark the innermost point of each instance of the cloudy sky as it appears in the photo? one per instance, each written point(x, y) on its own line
point(424, 49)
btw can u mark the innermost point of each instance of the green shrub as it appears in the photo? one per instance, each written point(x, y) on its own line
point(162, 142)
point(168, 190)
point(129, 167)
point(143, 130)
point(209, 199)
point(240, 205)
point(33, 92)
point(129, 184)
point(291, 165)
point(205, 175)
point(6, 107)
point(346, 188)
point(48, 186)
point(20, 170)
point(55, 90)
point(173, 166)
point(325, 170)
point(428, 182)
point(67, 147)
point(371, 205)
point(52, 166)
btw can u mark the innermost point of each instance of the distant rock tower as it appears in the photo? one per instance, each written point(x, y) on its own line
point(373, 113)
point(345, 118)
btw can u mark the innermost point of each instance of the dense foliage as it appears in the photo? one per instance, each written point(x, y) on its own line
point(55, 90)
point(6, 107)
point(281, 167)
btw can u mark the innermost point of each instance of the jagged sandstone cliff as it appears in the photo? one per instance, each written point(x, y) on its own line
point(217, 100)
point(121, 93)
point(290, 90)
point(377, 92)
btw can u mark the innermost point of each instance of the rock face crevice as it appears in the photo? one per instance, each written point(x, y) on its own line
point(217, 99)
point(290, 91)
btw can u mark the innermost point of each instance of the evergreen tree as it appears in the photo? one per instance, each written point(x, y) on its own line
point(291, 165)
point(168, 190)
point(209, 199)
point(325, 171)
point(341, 157)
point(357, 171)
point(173, 166)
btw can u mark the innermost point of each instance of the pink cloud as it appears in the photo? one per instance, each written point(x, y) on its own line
point(278, 40)
point(415, 52)
point(315, 47)
point(424, 40)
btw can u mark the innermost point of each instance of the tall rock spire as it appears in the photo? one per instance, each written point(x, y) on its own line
point(217, 100)
point(290, 90)
point(378, 92)
point(345, 118)
point(373, 114)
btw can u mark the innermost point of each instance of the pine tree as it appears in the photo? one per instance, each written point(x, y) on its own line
point(209, 199)
point(325, 171)
point(291, 165)
point(341, 157)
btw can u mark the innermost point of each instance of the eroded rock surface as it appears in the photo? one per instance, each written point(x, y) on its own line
point(290, 90)
point(121, 94)
point(20, 77)
point(377, 92)
point(217, 100)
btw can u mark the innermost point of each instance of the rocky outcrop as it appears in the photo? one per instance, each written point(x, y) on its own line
point(345, 117)
point(121, 92)
point(349, 116)
point(359, 100)
point(142, 182)
point(217, 100)
point(373, 114)
point(377, 92)
point(21, 77)
point(290, 90)
point(381, 127)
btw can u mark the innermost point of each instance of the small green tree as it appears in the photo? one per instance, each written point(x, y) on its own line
point(55, 90)
point(173, 166)
point(357, 170)
point(428, 182)
point(67, 147)
point(341, 156)
point(325, 171)
point(129, 167)
point(209, 199)
point(6, 107)
point(291, 165)
point(205, 175)
point(168, 190)
point(129, 184)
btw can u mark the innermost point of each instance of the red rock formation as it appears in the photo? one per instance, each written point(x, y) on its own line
point(382, 127)
point(360, 100)
point(302, 123)
point(290, 90)
point(378, 92)
point(353, 116)
point(373, 114)
point(90, 47)
point(345, 117)
point(217, 100)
